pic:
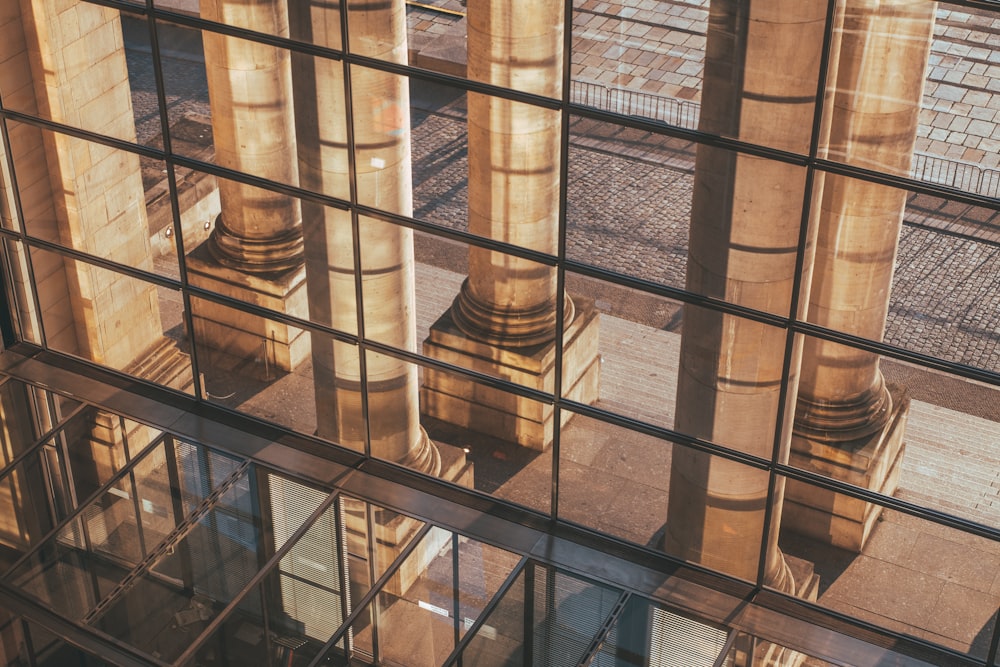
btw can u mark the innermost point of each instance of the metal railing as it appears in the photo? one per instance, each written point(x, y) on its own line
point(928, 168)
point(670, 110)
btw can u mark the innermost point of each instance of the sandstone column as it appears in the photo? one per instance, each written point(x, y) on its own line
point(762, 62)
point(255, 250)
point(848, 423)
point(503, 321)
point(382, 167)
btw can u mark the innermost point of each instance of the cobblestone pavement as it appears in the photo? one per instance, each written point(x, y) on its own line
point(628, 206)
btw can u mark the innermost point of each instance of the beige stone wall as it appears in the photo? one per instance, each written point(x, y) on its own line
point(81, 194)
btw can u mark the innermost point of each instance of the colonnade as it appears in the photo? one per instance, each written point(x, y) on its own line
point(283, 117)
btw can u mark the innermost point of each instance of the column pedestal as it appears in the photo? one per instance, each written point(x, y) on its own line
point(871, 462)
point(457, 400)
point(245, 336)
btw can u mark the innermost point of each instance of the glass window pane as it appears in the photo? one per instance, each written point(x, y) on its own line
point(715, 512)
point(59, 573)
point(255, 364)
point(614, 479)
point(924, 436)
point(648, 634)
point(406, 622)
point(957, 139)
point(118, 321)
point(645, 61)
point(96, 199)
point(440, 144)
point(185, 84)
point(628, 204)
point(638, 350)
point(28, 510)
point(567, 615)
point(913, 576)
point(93, 440)
point(74, 65)
point(20, 291)
point(505, 437)
point(500, 641)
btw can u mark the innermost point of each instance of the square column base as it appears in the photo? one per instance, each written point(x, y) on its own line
point(872, 463)
point(242, 335)
point(477, 407)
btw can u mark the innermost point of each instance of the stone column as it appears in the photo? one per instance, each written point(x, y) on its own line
point(380, 107)
point(255, 250)
point(382, 168)
point(760, 83)
point(503, 321)
point(849, 424)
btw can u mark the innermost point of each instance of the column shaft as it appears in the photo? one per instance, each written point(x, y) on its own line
point(513, 172)
point(760, 86)
point(876, 103)
point(503, 321)
point(382, 168)
point(250, 93)
point(80, 194)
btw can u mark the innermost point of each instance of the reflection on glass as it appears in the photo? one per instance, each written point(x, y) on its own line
point(154, 496)
point(499, 433)
point(747, 649)
point(439, 131)
point(18, 434)
point(185, 83)
point(926, 435)
point(956, 139)
point(647, 634)
point(21, 292)
point(567, 613)
point(873, 119)
point(394, 418)
point(640, 61)
point(938, 304)
point(59, 573)
point(50, 650)
point(29, 504)
point(74, 61)
point(715, 512)
point(500, 641)
point(111, 524)
point(215, 557)
point(96, 449)
point(111, 204)
point(411, 621)
point(637, 351)
point(911, 575)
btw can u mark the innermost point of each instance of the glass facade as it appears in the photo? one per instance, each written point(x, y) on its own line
point(361, 334)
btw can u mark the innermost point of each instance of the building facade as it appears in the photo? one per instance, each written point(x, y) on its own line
point(655, 333)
